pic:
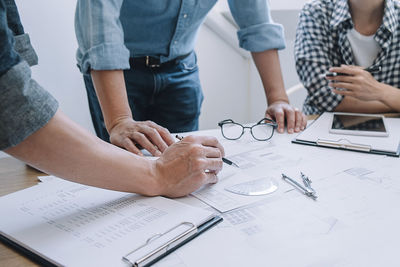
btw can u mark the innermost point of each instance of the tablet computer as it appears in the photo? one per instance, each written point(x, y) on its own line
point(358, 124)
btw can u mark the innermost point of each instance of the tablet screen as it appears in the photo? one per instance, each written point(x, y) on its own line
point(358, 123)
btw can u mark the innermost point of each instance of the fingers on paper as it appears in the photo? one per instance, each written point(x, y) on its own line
point(280, 120)
point(290, 119)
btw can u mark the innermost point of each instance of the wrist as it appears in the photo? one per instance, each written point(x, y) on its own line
point(157, 177)
point(278, 98)
point(278, 101)
point(110, 125)
point(385, 92)
point(381, 92)
point(152, 184)
point(389, 96)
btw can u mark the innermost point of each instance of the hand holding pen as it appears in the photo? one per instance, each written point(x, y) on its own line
point(356, 82)
point(186, 166)
point(225, 160)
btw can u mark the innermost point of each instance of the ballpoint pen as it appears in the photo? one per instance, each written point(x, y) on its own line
point(225, 160)
point(306, 190)
point(374, 69)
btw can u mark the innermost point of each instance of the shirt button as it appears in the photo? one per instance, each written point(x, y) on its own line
point(175, 42)
point(184, 16)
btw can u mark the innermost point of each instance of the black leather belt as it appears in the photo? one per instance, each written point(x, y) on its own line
point(154, 62)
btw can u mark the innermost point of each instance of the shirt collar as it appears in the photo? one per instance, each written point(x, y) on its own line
point(390, 20)
point(341, 13)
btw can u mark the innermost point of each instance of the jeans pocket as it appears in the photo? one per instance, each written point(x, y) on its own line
point(189, 64)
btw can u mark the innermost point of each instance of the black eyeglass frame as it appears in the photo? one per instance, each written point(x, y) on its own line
point(269, 122)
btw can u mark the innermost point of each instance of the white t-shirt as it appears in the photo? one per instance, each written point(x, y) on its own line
point(365, 48)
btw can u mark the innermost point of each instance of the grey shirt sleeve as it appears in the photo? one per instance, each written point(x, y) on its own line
point(25, 107)
point(25, 50)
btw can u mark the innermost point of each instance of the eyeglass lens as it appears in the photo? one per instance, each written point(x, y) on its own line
point(232, 130)
point(262, 131)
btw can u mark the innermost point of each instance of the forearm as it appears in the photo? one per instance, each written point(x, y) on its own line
point(111, 92)
point(351, 104)
point(268, 66)
point(390, 97)
point(64, 149)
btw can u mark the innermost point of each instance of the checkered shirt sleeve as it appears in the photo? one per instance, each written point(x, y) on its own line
point(313, 57)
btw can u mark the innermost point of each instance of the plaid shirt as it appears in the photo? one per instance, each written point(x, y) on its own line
point(321, 43)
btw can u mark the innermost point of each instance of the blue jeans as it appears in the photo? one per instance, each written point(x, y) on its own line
point(170, 95)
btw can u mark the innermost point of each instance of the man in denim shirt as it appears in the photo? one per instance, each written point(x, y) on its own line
point(35, 131)
point(138, 63)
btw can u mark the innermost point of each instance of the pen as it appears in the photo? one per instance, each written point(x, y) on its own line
point(374, 69)
point(225, 160)
point(307, 190)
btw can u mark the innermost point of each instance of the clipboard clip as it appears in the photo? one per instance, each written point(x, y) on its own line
point(159, 244)
point(344, 144)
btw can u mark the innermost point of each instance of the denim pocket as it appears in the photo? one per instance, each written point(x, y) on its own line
point(189, 63)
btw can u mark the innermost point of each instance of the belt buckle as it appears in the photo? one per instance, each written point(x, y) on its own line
point(149, 64)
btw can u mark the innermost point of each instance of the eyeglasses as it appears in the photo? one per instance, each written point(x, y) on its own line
point(261, 131)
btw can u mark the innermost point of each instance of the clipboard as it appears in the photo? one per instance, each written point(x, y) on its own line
point(26, 252)
point(153, 227)
point(144, 260)
point(181, 234)
point(317, 134)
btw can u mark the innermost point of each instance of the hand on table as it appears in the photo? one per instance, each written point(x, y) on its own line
point(187, 165)
point(357, 82)
point(295, 119)
point(127, 133)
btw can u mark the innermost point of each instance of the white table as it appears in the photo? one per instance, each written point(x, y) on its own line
point(354, 221)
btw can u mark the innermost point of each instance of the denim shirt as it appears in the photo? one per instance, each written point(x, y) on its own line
point(109, 32)
point(24, 106)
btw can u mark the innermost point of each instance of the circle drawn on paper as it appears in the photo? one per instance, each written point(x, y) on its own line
point(258, 187)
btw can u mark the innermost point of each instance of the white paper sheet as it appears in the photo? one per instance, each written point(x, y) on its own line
point(353, 223)
point(270, 162)
point(77, 225)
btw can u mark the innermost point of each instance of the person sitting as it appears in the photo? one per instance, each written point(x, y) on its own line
point(358, 42)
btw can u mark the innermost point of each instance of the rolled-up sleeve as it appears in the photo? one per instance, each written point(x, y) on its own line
point(25, 107)
point(100, 36)
point(257, 30)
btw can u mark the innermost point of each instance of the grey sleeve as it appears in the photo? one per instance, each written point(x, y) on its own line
point(25, 106)
point(25, 50)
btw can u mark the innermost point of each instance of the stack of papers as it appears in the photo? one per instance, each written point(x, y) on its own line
point(71, 224)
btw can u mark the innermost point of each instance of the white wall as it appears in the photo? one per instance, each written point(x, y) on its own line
point(50, 26)
point(224, 77)
point(287, 4)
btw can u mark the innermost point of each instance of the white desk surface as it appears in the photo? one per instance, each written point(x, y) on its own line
point(354, 221)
